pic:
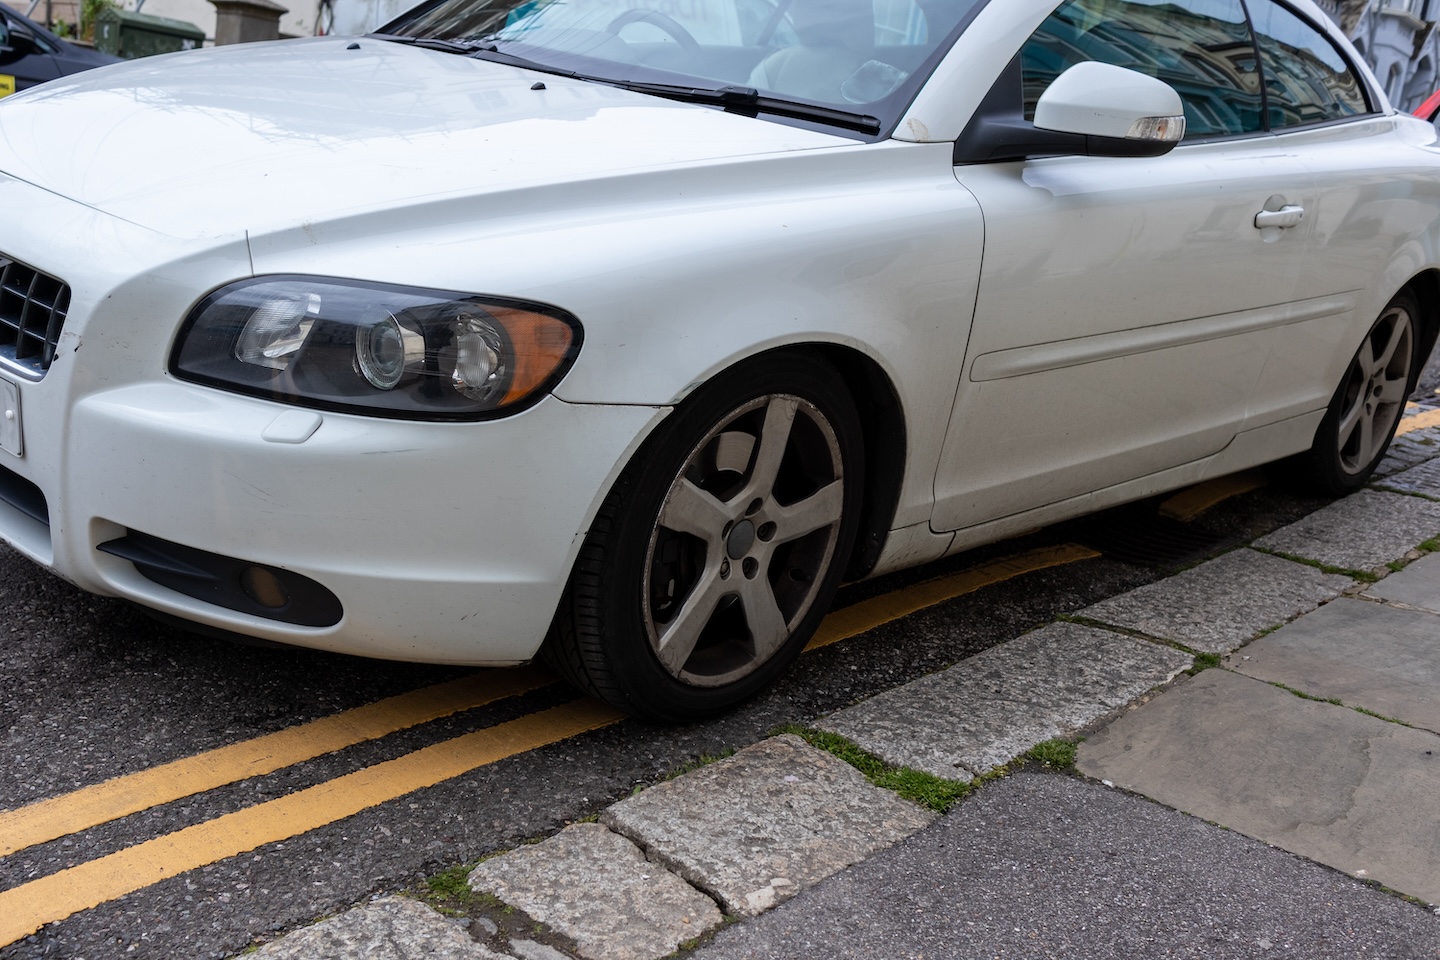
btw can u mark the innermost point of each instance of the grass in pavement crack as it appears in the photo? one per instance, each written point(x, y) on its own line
point(1381, 716)
point(1429, 497)
point(1203, 661)
point(1134, 634)
point(916, 786)
point(1056, 754)
point(1362, 575)
point(449, 892)
point(1336, 701)
point(704, 760)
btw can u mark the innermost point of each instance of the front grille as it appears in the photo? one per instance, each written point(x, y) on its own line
point(32, 313)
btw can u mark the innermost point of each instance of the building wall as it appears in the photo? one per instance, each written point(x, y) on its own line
point(67, 10)
point(1398, 40)
point(299, 22)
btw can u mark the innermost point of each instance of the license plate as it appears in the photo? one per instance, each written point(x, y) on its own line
point(11, 438)
point(7, 84)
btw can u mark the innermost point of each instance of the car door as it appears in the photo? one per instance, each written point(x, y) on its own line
point(1126, 307)
point(1320, 108)
point(23, 62)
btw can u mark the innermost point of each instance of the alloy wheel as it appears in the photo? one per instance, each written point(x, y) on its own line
point(743, 540)
point(1374, 391)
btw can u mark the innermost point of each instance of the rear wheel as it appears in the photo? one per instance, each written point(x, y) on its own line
point(720, 547)
point(1366, 407)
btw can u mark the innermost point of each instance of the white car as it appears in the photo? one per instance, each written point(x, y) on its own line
point(630, 328)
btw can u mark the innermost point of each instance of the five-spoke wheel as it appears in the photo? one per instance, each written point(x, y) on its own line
point(719, 549)
point(1366, 407)
point(744, 539)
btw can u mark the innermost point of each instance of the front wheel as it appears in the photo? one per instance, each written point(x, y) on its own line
point(1366, 407)
point(720, 547)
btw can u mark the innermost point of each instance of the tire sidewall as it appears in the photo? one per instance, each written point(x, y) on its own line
point(1326, 471)
point(648, 687)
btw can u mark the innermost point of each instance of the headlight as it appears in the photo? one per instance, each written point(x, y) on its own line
point(375, 349)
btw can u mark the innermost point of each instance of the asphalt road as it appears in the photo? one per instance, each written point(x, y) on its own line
point(93, 689)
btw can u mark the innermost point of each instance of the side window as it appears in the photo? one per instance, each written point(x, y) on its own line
point(1202, 48)
point(1307, 80)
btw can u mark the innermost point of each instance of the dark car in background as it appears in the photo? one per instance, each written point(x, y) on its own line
point(30, 54)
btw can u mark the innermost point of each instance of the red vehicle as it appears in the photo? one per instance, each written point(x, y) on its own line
point(1430, 107)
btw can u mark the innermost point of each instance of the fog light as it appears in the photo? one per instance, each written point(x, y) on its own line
point(263, 587)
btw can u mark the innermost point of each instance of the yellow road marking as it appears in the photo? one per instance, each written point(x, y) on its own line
point(868, 614)
point(90, 806)
point(28, 907)
point(1190, 503)
point(1420, 421)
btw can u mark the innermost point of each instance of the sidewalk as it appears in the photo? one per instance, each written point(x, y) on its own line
point(1283, 745)
point(1302, 753)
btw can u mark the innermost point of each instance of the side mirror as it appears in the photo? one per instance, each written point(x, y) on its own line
point(16, 37)
point(1111, 103)
point(1092, 109)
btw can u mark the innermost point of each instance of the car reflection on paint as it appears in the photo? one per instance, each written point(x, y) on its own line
point(30, 54)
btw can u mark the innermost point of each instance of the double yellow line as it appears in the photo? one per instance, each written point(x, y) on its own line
point(1419, 421)
point(28, 907)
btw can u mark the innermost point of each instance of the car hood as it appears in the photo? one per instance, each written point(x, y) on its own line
point(262, 137)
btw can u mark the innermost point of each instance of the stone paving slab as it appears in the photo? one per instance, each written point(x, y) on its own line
point(1423, 479)
point(532, 950)
point(1219, 605)
point(1042, 867)
point(1364, 531)
point(1408, 450)
point(987, 710)
point(1417, 585)
point(395, 928)
point(760, 826)
point(1365, 654)
point(598, 889)
point(1319, 780)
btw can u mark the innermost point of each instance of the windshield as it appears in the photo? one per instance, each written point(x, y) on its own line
point(862, 57)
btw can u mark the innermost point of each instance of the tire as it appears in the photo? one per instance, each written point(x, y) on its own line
point(1366, 408)
point(717, 552)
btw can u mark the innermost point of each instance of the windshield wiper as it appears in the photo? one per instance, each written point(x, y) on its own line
point(749, 101)
point(735, 99)
point(482, 49)
point(435, 43)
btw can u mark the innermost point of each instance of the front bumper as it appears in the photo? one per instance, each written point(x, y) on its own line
point(443, 542)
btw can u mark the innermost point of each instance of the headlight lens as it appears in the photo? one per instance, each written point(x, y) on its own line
point(376, 349)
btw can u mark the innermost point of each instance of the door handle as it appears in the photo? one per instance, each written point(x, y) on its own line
point(1287, 216)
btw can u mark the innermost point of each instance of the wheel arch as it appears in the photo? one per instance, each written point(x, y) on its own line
point(1426, 288)
point(882, 424)
point(882, 421)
